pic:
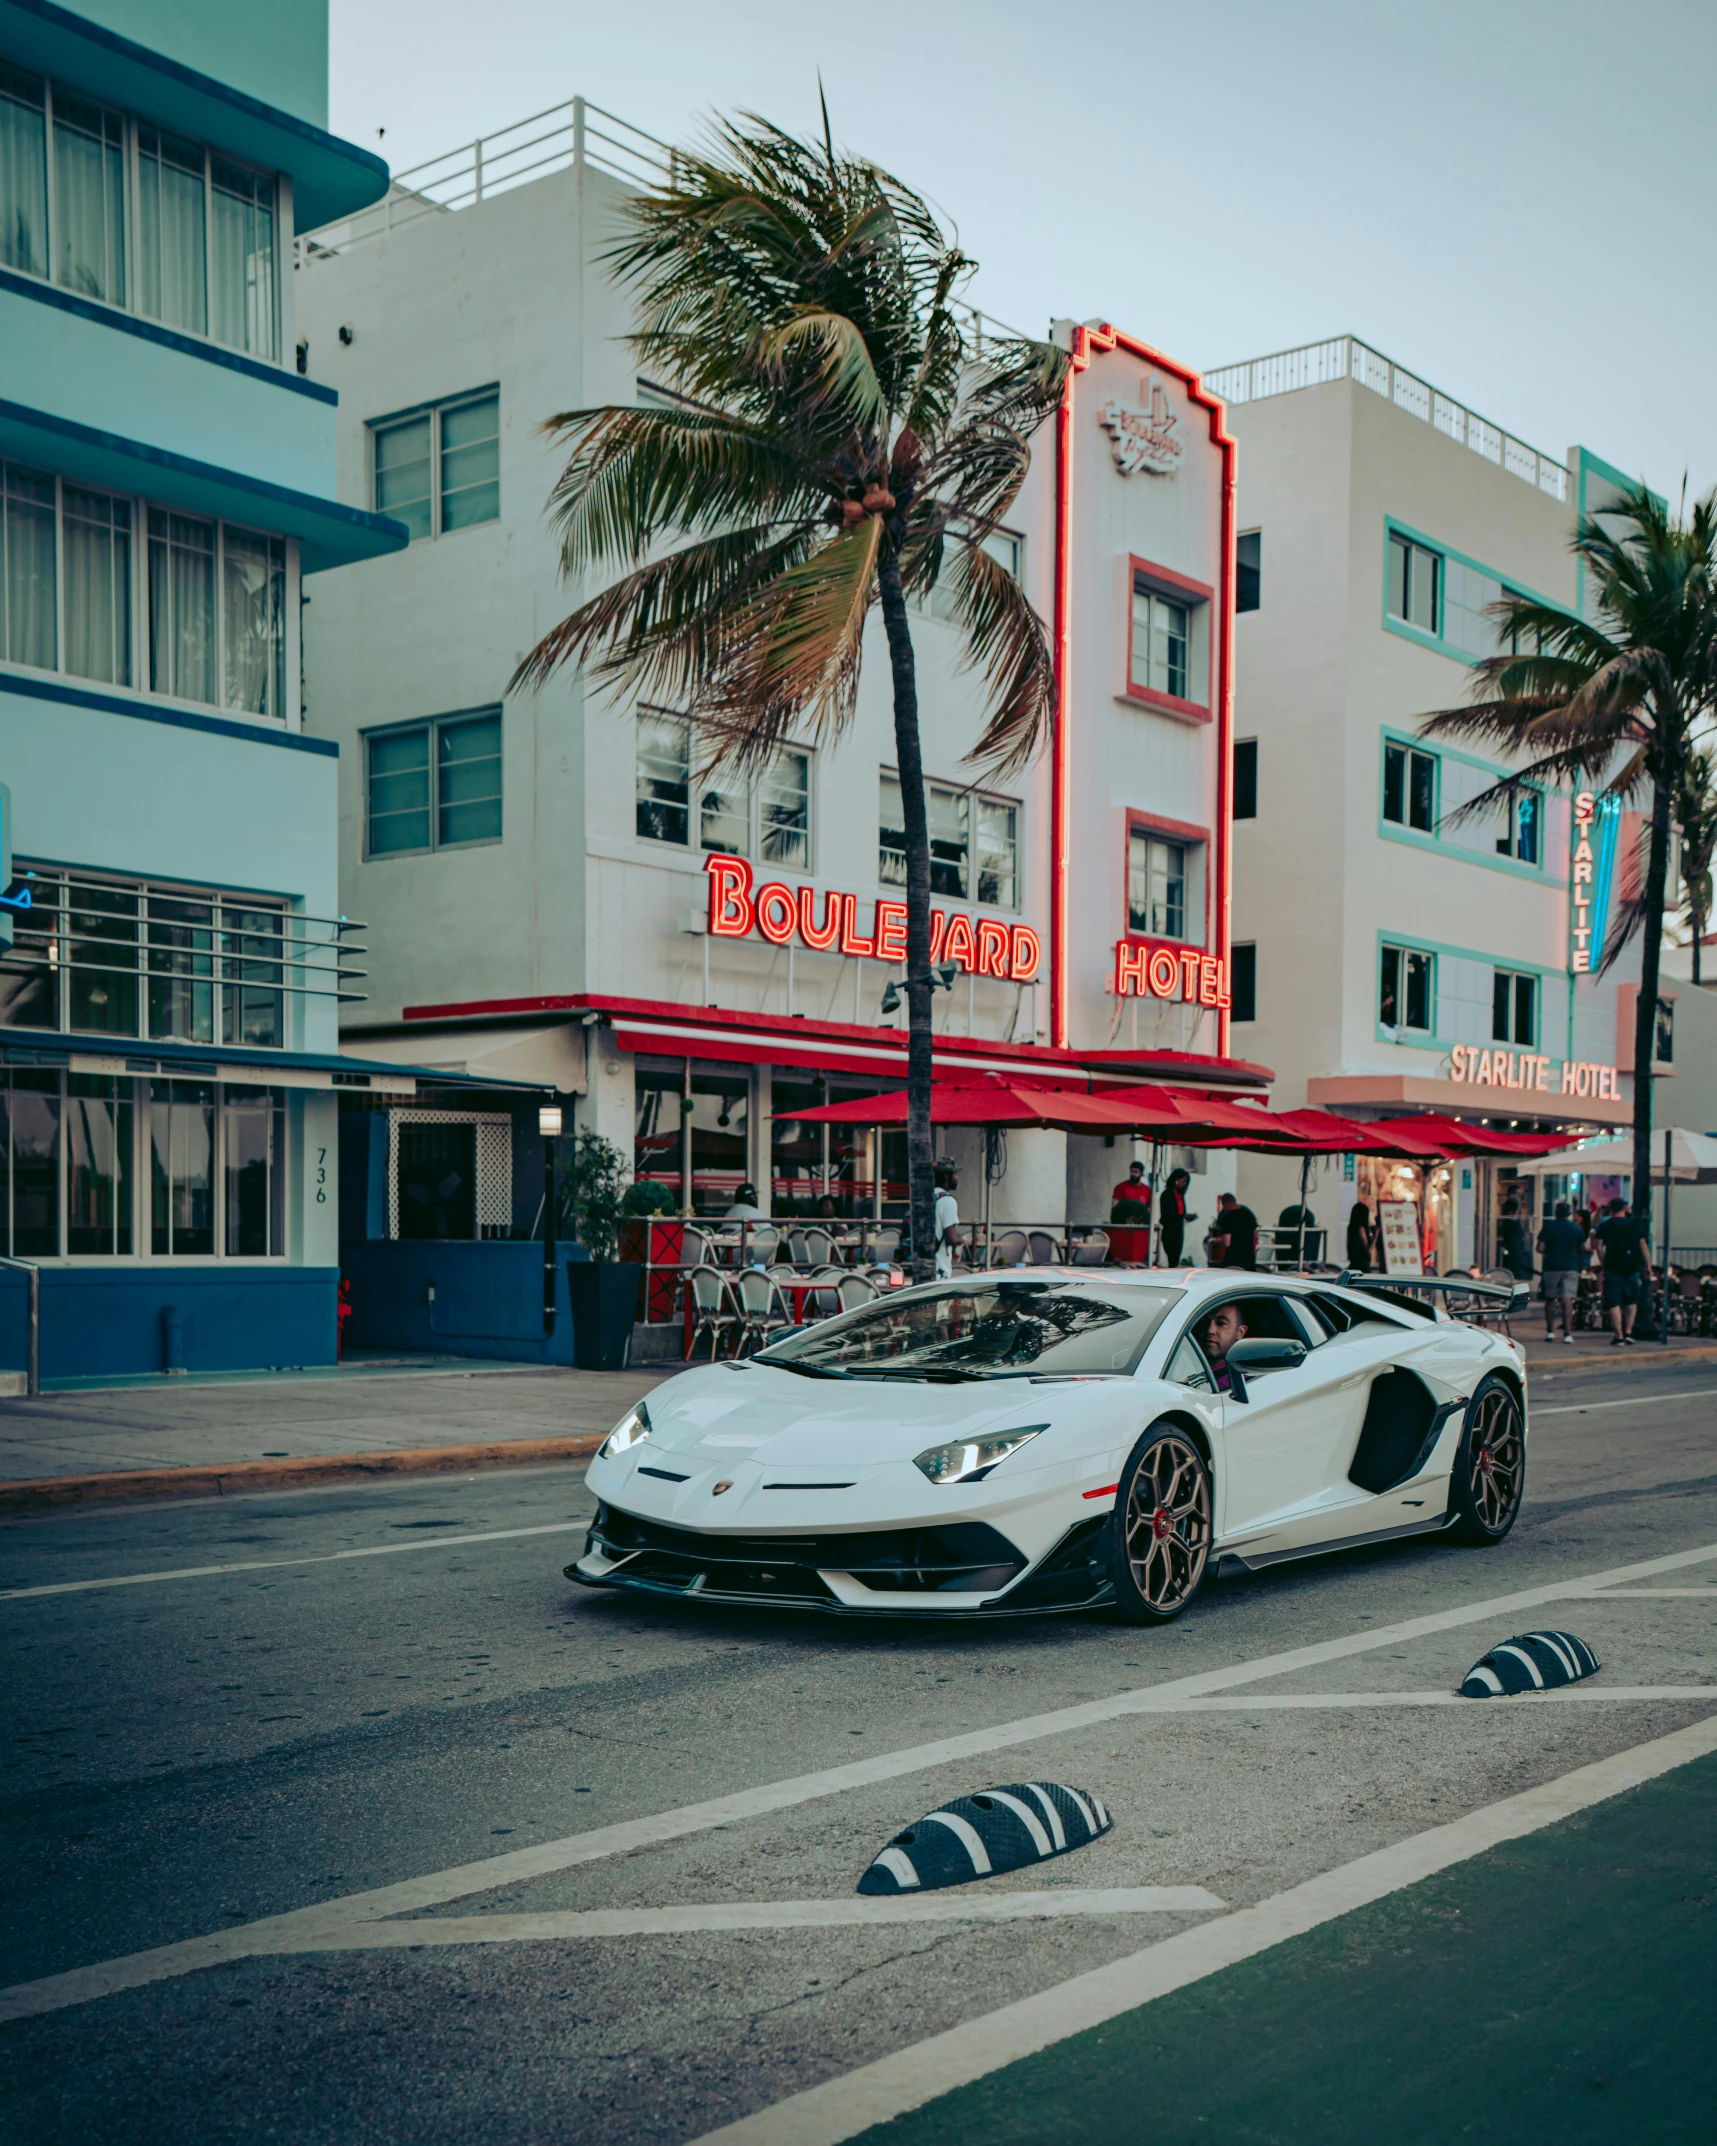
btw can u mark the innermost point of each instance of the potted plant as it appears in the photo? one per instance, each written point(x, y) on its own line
point(603, 1292)
point(653, 1235)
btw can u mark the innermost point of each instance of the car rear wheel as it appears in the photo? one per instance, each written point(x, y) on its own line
point(1159, 1532)
point(1489, 1475)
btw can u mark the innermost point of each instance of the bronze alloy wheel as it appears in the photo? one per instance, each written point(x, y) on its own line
point(1160, 1528)
point(1490, 1468)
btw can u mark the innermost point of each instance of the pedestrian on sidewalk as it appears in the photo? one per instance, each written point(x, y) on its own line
point(1175, 1216)
point(1624, 1240)
point(1563, 1244)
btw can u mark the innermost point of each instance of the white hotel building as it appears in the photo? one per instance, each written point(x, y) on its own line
point(1388, 957)
point(551, 888)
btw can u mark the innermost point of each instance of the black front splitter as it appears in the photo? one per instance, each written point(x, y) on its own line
point(734, 1599)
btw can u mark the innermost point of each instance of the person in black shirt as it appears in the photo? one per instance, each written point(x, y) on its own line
point(1175, 1216)
point(1235, 1237)
point(1563, 1243)
point(1361, 1238)
point(1624, 1240)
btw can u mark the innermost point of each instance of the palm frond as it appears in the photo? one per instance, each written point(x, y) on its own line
point(1006, 641)
point(636, 475)
point(792, 664)
point(841, 383)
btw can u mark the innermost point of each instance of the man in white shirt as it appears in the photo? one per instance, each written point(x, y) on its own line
point(947, 1219)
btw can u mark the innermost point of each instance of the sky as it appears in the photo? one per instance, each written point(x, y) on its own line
point(1512, 199)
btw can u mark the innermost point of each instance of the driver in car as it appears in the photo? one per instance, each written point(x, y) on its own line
point(1222, 1330)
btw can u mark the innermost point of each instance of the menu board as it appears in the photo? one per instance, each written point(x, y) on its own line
point(1399, 1220)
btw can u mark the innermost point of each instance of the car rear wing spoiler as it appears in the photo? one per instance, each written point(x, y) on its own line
point(1507, 1297)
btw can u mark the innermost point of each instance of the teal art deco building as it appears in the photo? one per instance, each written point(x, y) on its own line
point(168, 997)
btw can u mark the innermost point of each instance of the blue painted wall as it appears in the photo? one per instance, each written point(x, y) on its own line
point(488, 1299)
point(277, 53)
point(106, 1322)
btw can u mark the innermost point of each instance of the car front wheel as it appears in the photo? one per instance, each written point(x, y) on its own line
point(1489, 1474)
point(1159, 1532)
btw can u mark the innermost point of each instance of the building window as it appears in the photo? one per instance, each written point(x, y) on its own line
point(95, 533)
point(1409, 787)
point(1248, 566)
point(1414, 577)
point(204, 241)
point(1243, 982)
point(97, 1166)
point(27, 568)
point(1514, 1009)
point(166, 964)
point(1406, 997)
point(434, 785)
point(1520, 819)
point(974, 843)
point(1002, 545)
point(763, 813)
point(1159, 650)
point(1246, 779)
point(439, 469)
point(1156, 885)
point(212, 599)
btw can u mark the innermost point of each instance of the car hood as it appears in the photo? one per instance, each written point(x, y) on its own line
point(781, 1419)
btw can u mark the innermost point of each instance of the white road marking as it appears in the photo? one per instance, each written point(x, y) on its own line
point(1641, 1400)
point(79, 1985)
point(273, 1564)
point(855, 1912)
point(1290, 1701)
point(1643, 1594)
point(875, 2093)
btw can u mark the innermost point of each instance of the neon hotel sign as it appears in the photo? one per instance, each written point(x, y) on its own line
point(1521, 1070)
point(787, 916)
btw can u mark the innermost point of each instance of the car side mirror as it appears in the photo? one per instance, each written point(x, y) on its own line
point(1265, 1352)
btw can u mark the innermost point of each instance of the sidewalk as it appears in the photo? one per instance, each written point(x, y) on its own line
point(1591, 1350)
point(214, 1436)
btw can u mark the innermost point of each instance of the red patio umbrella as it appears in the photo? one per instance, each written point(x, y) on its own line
point(991, 1101)
point(1457, 1137)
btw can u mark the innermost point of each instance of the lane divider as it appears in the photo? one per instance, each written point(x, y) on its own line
point(876, 2093)
point(80, 1985)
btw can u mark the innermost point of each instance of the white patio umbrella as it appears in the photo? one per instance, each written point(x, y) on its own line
point(1692, 1159)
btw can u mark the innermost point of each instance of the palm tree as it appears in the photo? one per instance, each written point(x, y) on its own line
point(1696, 823)
point(1613, 702)
point(842, 441)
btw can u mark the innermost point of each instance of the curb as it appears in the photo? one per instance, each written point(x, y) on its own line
point(228, 1479)
point(1605, 1359)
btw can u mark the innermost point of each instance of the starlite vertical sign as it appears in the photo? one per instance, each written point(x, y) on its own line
point(1580, 887)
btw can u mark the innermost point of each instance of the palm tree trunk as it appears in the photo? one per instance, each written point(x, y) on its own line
point(1698, 935)
point(920, 1156)
point(1645, 1013)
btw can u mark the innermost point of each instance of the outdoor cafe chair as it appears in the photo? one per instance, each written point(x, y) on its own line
point(696, 1248)
point(819, 1247)
point(1010, 1249)
point(856, 1289)
point(1092, 1250)
point(1499, 1312)
point(1045, 1252)
point(713, 1310)
point(798, 1248)
point(761, 1311)
point(881, 1246)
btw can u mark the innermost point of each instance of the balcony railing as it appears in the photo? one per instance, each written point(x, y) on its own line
point(558, 139)
point(1345, 357)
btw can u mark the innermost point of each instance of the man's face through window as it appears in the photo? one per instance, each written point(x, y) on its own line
point(1222, 1329)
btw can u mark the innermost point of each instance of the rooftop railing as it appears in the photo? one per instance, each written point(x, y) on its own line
point(1345, 357)
point(558, 139)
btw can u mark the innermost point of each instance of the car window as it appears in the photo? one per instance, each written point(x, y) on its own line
point(1306, 1314)
point(1343, 1313)
point(1187, 1367)
point(997, 1328)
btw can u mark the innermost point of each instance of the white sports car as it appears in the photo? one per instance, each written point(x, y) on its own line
point(1046, 1439)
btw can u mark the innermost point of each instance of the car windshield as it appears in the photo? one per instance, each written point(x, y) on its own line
point(987, 1329)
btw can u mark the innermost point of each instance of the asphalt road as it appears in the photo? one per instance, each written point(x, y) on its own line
point(390, 1691)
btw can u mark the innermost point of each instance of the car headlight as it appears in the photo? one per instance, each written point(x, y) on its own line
point(966, 1460)
point(633, 1426)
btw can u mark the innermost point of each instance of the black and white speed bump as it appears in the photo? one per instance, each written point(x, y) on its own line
point(1536, 1661)
point(976, 1836)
